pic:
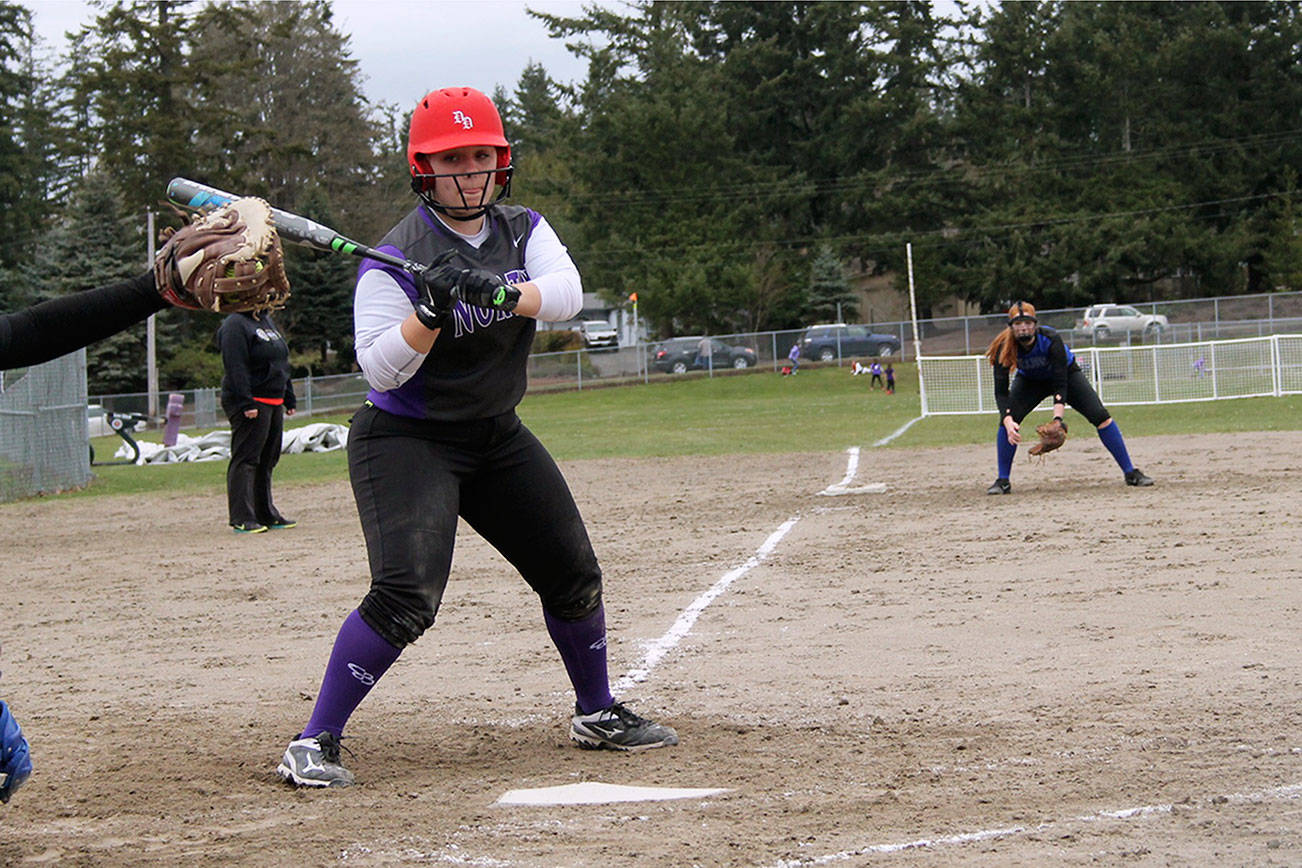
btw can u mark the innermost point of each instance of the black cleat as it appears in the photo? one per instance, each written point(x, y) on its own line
point(1000, 486)
point(617, 728)
point(314, 762)
point(1137, 477)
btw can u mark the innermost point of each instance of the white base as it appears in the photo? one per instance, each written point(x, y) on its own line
point(871, 488)
point(596, 793)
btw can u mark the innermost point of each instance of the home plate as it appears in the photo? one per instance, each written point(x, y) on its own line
point(870, 488)
point(596, 793)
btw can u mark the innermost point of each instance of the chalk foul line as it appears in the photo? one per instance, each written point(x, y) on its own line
point(1290, 791)
point(657, 649)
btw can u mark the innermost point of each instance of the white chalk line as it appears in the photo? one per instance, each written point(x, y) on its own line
point(898, 431)
point(658, 648)
point(1290, 791)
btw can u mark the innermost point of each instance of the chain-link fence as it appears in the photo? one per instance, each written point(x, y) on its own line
point(43, 447)
point(43, 412)
point(1149, 374)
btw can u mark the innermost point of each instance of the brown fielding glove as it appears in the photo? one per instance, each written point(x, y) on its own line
point(1052, 435)
point(225, 261)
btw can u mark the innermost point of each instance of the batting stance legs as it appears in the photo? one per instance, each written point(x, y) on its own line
point(1025, 395)
point(412, 478)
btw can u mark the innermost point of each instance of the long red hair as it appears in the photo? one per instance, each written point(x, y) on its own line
point(1003, 349)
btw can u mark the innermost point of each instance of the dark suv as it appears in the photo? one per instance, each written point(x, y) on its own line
point(826, 342)
point(679, 355)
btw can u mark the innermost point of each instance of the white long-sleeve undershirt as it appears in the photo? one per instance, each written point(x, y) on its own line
point(380, 306)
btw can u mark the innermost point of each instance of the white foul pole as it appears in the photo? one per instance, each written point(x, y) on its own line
point(151, 343)
point(917, 339)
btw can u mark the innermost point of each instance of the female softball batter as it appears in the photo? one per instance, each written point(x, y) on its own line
point(1045, 366)
point(438, 437)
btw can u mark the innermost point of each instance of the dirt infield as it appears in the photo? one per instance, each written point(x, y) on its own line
point(1078, 673)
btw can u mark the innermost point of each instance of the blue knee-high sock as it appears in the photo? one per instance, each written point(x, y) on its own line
point(1005, 452)
point(582, 644)
point(1111, 437)
point(360, 656)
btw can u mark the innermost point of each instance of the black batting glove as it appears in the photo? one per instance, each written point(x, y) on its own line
point(436, 297)
point(485, 289)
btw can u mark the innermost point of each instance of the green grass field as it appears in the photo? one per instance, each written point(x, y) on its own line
point(819, 410)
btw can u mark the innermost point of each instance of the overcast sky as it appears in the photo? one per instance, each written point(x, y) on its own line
point(406, 48)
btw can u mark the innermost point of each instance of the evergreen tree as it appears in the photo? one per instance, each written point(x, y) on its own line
point(533, 117)
point(127, 106)
point(28, 170)
point(89, 247)
point(318, 318)
point(284, 112)
point(830, 295)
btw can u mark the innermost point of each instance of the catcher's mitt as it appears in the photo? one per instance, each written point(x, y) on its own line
point(226, 261)
point(1052, 435)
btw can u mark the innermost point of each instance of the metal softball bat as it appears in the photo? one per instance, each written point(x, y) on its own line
point(195, 196)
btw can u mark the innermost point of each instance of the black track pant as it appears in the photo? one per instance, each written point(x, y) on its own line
point(412, 478)
point(255, 450)
point(1024, 395)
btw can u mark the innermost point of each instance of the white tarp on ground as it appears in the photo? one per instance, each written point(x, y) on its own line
point(216, 445)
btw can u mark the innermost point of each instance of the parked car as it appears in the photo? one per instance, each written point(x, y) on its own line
point(679, 355)
point(1102, 321)
point(597, 333)
point(822, 342)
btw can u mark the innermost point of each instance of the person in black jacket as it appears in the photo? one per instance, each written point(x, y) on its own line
point(256, 396)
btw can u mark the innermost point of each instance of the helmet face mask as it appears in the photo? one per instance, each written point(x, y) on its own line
point(451, 198)
point(1024, 323)
point(451, 119)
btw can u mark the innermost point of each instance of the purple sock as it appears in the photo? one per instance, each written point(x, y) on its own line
point(582, 645)
point(359, 658)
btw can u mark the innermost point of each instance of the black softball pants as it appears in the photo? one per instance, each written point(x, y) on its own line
point(255, 451)
point(1024, 395)
point(412, 478)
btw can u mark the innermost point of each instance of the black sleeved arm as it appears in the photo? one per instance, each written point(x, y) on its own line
point(1058, 361)
point(1001, 390)
point(57, 327)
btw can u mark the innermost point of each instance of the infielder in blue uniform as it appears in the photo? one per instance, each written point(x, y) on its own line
point(445, 354)
point(1045, 366)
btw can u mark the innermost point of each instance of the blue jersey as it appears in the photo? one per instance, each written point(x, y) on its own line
point(1035, 364)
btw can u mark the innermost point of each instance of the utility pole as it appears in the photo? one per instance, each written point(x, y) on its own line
point(151, 361)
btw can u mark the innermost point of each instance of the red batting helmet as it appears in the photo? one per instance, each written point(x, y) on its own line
point(455, 117)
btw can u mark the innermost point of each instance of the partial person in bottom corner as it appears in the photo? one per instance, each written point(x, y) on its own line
point(15, 755)
point(1045, 366)
point(257, 395)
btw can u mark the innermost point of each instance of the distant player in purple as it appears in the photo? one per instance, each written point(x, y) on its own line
point(876, 370)
point(1045, 366)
